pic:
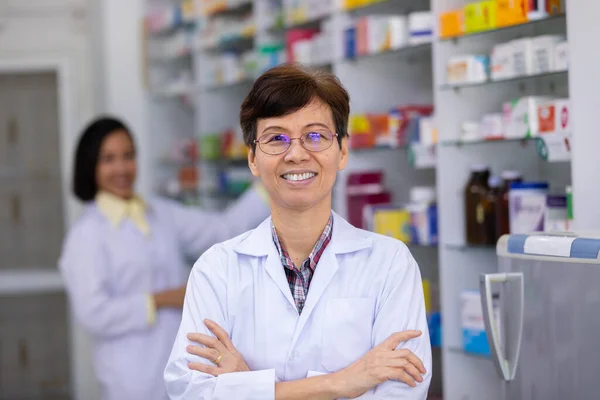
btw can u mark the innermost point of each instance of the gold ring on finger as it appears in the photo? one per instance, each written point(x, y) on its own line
point(218, 360)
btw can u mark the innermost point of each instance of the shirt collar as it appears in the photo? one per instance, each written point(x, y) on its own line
point(117, 209)
point(317, 250)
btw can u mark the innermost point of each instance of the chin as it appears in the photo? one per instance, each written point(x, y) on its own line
point(299, 203)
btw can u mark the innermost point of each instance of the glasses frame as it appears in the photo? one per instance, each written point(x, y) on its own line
point(334, 135)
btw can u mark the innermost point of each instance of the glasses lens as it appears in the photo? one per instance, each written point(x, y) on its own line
point(317, 140)
point(274, 143)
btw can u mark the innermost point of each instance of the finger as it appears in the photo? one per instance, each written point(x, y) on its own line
point(393, 341)
point(408, 368)
point(207, 369)
point(412, 358)
point(204, 352)
point(399, 374)
point(219, 333)
point(206, 340)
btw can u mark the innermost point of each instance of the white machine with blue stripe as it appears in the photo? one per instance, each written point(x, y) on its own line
point(549, 289)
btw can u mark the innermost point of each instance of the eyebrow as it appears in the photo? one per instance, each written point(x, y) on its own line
point(306, 126)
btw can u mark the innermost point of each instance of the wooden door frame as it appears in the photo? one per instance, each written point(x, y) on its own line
point(66, 116)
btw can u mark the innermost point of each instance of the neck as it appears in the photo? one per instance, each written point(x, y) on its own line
point(298, 231)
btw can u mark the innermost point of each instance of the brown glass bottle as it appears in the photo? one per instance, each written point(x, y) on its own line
point(502, 220)
point(491, 205)
point(476, 192)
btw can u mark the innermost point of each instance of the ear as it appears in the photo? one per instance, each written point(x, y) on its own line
point(343, 154)
point(252, 163)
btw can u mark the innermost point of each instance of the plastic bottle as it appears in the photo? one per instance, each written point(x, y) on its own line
point(423, 212)
point(475, 194)
point(502, 208)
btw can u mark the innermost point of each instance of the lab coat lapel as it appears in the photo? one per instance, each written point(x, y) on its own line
point(259, 243)
point(275, 270)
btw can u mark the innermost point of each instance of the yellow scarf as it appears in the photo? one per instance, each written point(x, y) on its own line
point(117, 209)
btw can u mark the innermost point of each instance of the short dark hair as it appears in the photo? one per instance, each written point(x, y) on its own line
point(287, 88)
point(87, 153)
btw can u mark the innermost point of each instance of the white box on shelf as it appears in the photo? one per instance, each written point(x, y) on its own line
point(420, 26)
point(398, 31)
point(492, 126)
point(563, 116)
point(377, 27)
point(522, 51)
point(501, 62)
point(543, 51)
point(561, 56)
point(521, 116)
point(467, 69)
point(472, 324)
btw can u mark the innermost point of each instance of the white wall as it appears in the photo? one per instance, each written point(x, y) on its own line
point(58, 30)
point(584, 84)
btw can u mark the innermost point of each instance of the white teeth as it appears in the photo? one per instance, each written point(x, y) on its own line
point(299, 177)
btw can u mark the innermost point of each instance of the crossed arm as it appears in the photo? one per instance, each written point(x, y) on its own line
point(379, 365)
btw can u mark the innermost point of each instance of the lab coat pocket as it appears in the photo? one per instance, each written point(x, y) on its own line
point(346, 331)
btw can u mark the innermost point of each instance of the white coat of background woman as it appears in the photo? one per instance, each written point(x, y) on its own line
point(306, 306)
point(124, 261)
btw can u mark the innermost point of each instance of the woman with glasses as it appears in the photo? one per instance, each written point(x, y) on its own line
point(124, 261)
point(305, 306)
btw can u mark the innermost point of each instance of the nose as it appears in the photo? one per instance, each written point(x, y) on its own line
point(122, 165)
point(296, 153)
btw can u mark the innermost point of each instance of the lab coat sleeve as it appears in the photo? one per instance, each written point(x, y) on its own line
point(198, 230)
point(206, 298)
point(402, 307)
point(83, 265)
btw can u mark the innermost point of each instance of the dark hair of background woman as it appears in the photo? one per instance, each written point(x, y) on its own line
point(88, 152)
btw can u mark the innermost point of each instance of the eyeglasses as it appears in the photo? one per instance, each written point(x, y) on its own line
point(278, 143)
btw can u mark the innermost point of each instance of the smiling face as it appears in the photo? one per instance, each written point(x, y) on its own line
point(117, 169)
point(299, 179)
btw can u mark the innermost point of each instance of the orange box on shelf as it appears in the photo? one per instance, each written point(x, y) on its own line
point(511, 12)
point(452, 23)
point(555, 7)
point(546, 118)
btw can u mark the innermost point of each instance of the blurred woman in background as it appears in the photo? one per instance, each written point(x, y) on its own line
point(124, 261)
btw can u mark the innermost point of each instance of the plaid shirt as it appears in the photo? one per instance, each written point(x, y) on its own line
point(299, 278)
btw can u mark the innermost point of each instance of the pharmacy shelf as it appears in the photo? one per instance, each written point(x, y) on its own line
point(459, 350)
point(309, 23)
point(381, 6)
point(227, 162)
point(173, 92)
point(535, 22)
point(554, 147)
point(469, 247)
point(228, 85)
point(231, 44)
point(420, 156)
point(461, 143)
point(516, 79)
point(227, 8)
point(424, 48)
point(30, 281)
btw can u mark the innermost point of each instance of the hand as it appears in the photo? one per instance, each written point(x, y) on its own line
point(219, 350)
point(380, 364)
point(170, 298)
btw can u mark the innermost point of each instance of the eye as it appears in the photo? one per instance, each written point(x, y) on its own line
point(277, 139)
point(314, 137)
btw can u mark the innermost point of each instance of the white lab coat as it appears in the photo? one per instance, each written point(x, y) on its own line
point(365, 288)
point(109, 273)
